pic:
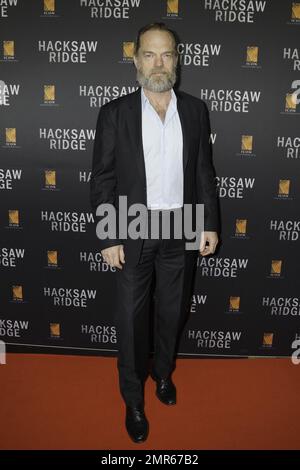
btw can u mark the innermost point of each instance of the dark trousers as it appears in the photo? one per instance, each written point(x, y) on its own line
point(174, 270)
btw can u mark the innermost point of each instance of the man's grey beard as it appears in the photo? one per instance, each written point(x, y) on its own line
point(165, 82)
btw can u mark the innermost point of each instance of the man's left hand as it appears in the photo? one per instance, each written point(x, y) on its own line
point(212, 239)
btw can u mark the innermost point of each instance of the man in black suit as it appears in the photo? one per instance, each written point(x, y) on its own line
point(152, 146)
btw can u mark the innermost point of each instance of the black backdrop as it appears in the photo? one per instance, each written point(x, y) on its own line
point(60, 61)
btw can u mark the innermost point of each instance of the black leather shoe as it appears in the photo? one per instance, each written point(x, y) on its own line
point(165, 389)
point(136, 423)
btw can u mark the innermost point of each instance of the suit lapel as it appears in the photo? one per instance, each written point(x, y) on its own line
point(135, 125)
point(184, 117)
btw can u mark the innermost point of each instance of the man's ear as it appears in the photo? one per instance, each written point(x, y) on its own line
point(134, 60)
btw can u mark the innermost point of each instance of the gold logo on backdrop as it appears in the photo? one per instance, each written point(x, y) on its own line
point(284, 188)
point(290, 102)
point(8, 49)
point(49, 6)
point(172, 7)
point(268, 339)
point(49, 93)
point(234, 304)
point(13, 217)
point(17, 293)
point(252, 55)
point(55, 330)
point(10, 136)
point(247, 144)
point(50, 178)
point(240, 226)
point(296, 12)
point(276, 266)
point(128, 50)
point(52, 257)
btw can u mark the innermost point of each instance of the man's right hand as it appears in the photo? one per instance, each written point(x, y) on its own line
point(114, 256)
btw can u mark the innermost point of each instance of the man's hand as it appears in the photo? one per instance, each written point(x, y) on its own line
point(212, 239)
point(114, 256)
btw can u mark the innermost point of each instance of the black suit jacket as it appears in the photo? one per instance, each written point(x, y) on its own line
point(118, 161)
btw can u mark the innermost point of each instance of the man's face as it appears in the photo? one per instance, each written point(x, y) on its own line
point(156, 61)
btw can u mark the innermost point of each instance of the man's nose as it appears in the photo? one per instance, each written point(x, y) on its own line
point(158, 61)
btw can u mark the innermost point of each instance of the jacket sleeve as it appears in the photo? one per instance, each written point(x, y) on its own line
point(103, 182)
point(205, 175)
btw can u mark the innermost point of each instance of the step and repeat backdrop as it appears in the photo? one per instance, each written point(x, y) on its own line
point(60, 61)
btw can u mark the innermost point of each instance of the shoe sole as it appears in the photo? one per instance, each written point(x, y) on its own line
point(139, 441)
point(163, 402)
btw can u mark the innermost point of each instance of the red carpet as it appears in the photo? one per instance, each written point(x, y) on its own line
point(73, 402)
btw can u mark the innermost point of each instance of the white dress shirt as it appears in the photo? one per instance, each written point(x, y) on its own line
point(162, 145)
